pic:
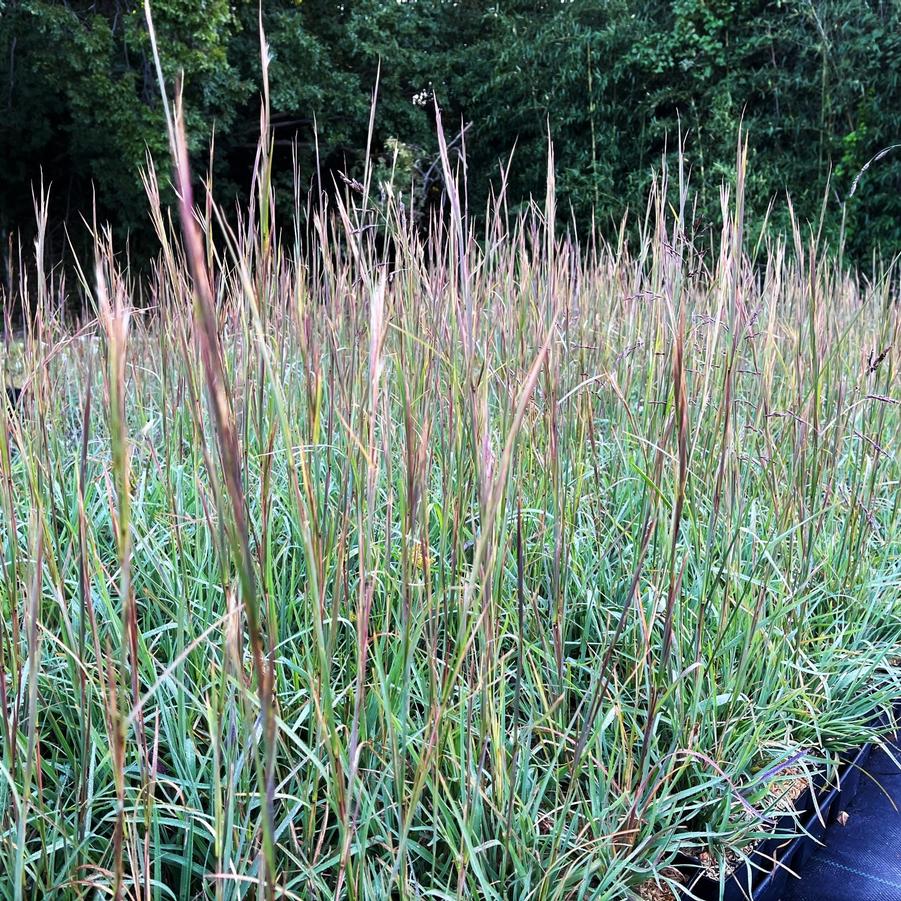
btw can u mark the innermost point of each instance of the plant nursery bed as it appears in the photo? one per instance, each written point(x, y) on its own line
point(763, 875)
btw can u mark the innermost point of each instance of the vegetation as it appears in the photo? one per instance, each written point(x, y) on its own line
point(337, 562)
point(816, 83)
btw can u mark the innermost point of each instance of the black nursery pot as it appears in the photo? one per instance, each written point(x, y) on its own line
point(849, 781)
point(764, 878)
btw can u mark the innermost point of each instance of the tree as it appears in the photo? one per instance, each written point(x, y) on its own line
point(814, 82)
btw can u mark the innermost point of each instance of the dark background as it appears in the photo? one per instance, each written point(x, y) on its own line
point(816, 83)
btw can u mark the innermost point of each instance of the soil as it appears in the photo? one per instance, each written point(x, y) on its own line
point(784, 794)
point(733, 861)
point(651, 891)
point(787, 792)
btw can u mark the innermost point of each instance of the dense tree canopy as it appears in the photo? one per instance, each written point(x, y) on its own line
point(816, 83)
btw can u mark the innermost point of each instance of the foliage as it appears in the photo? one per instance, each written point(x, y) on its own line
point(815, 82)
point(368, 567)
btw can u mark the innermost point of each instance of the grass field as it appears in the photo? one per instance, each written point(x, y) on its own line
point(349, 564)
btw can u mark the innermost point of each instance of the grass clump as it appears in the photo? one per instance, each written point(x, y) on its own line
point(337, 565)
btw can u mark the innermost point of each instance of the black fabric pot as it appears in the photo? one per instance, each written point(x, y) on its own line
point(764, 876)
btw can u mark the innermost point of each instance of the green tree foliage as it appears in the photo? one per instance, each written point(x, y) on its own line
point(815, 83)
